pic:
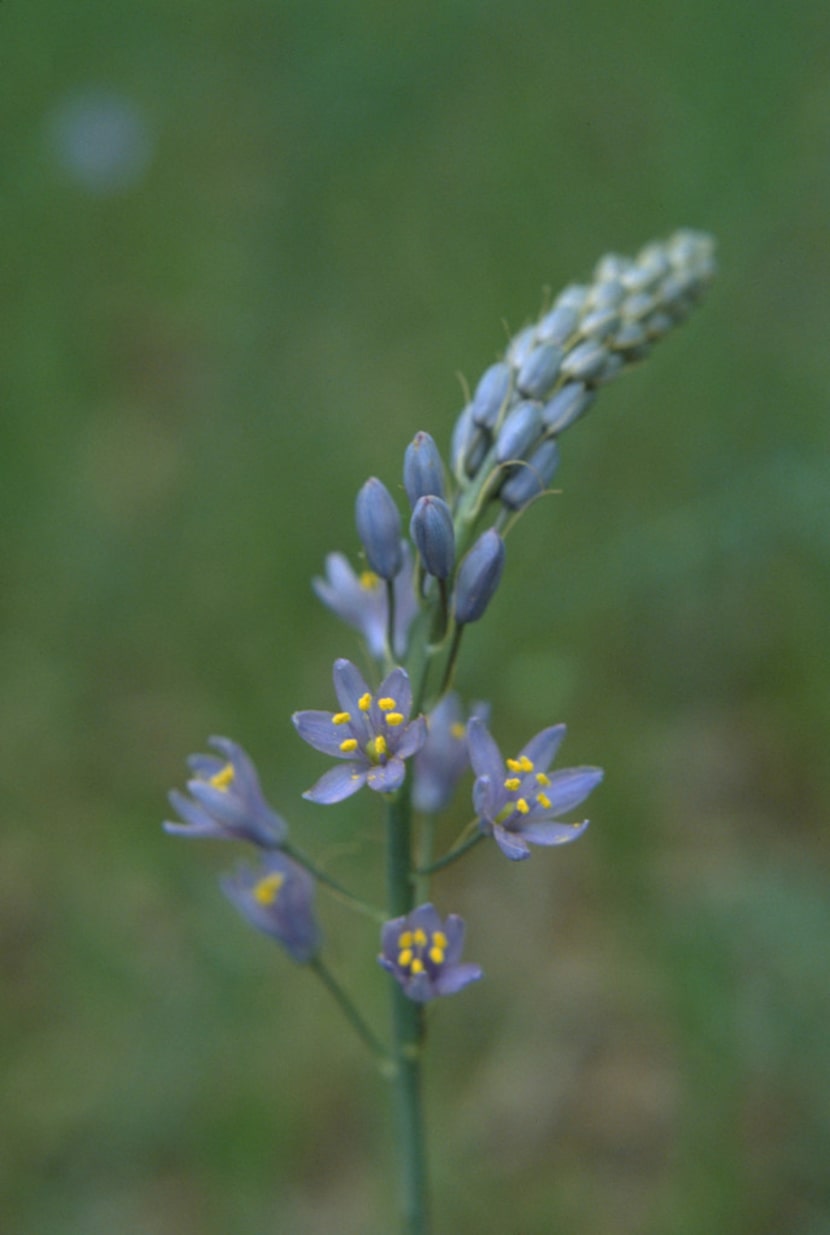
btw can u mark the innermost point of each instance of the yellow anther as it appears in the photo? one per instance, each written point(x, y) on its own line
point(457, 731)
point(522, 806)
point(512, 783)
point(541, 779)
point(405, 939)
point(525, 764)
point(341, 718)
point(348, 745)
point(380, 745)
point(365, 702)
point(436, 955)
point(369, 580)
point(439, 939)
point(223, 777)
point(405, 958)
point(387, 703)
point(419, 938)
point(417, 966)
point(543, 800)
point(267, 890)
point(394, 718)
point(513, 765)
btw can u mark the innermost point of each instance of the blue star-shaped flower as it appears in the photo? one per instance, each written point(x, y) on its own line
point(371, 733)
point(226, 801)
point(423, 953)
point(517, 801)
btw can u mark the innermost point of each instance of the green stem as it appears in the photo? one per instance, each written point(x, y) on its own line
point(407, 1026)
point(354, 902)
point(381, 1053)
point(454, 854)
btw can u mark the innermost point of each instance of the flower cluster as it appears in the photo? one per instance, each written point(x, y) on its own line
point(399, 728)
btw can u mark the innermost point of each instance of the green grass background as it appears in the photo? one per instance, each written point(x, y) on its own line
point(344, 205)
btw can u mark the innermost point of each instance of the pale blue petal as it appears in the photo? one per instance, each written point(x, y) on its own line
point(337, 784)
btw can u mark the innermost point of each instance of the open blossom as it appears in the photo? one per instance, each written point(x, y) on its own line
point(423, 953)
point(443, 759)
point(226, 801)
point(277, 897)
point(518, 801)
point(361, 601)
point(371, 733)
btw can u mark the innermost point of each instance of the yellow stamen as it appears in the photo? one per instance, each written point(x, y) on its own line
point(457, 730)
point(513, 765)
point(341, 718)
point(348, 745)
point(405, 958)
point(394, 718)
point(417, 966)
point(365, 702)
point(369, 580)
point(419, 938)
point(439, 939)
point(223, 778)
point(522, 806)
point(525, 764)
point(436, 955)
point(543, 800)
point(379, 745)
point(267, 890)
point(512, 783)
point(541, 779)
point(405, 939)
point(387, 703)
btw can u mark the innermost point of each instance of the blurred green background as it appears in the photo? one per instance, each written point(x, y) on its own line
point(246, 250)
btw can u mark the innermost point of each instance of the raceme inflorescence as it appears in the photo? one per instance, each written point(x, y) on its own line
point(399, 728)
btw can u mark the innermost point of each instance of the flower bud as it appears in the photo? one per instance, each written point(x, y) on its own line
point(469, 445)
point(539, 371)
point(423, 472)
point(531, 478)
point(478, 577)
point(519, 431)
point(491, 394)
point(566, 405)
point(559, 324)
point(432, 530)
point(585, 361)
point(379, 528)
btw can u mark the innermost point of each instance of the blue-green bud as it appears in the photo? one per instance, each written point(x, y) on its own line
point(558, 325)
point(432, 530)
point(519, 431)
point(538, 373)
point(478, 577)
point(566, 406)
point(469, 445)
point(598, 324)
point(531, 478)
point(379, 528)
point(585, 361)
point(423, 472)
point(520, 346)
point(492, 392)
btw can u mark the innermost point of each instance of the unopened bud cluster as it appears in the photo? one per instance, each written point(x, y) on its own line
point(553, 368)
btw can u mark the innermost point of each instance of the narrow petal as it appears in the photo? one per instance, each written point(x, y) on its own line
point(511, 845)
point(553, 833)
point(412, 738)
point(455, 931)
point(386, 778)
point(571, 786)
point(455, 978)
point(542, 748)
point(191, 812)
point(317, 729)
point(427, 918)
point(337, 784)
point(225, 807)
point(349, 686)
point(396, 685)
point(389, 934)
point(485, 755)
point(485, 799)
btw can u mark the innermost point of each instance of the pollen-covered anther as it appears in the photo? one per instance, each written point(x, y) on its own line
point(417, 965)
point(348, 745)
point(267, 890)
point(522, 806)
point(394, 719)
point(436, 955)
point(543, 800)
point(542, 779)
point(376, 747)
point(387, 704)
point(365, 702)
point(512, 783)
point(419, 938)
point(341, 718)
point(369, 580)
point(405, 957)
point(223, 778)
point(458, 731)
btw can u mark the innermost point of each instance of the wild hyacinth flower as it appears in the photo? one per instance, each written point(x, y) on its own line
point(444, 758)
point(226, 801)
point(277, 897)
point(423, 953)
point(517, 801)
point(361, 600)
point(371, 733)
